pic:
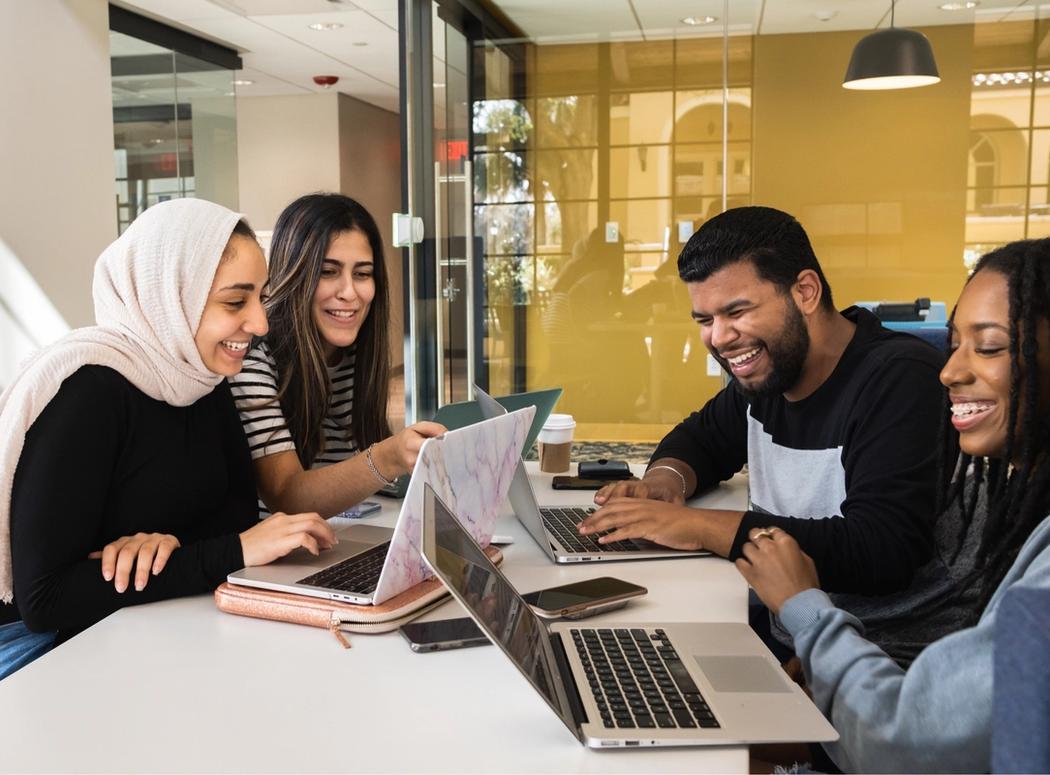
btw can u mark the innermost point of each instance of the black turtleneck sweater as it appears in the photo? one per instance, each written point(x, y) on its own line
point(103, 460)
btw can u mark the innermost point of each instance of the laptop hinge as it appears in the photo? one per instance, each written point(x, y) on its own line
point(579, 715)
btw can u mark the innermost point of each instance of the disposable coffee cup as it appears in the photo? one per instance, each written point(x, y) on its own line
point(555, 442)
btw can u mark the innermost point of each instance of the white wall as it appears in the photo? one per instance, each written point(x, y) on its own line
point(370, 172)
point(286, 147)
point(290, 146)
point(57, 190)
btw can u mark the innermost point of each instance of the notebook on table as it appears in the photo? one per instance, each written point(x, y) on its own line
point(472, 467)
point(627, 685)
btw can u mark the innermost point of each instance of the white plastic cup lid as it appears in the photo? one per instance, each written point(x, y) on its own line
point(557, 422)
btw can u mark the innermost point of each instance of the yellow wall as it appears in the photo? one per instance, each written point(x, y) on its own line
point(878, 179)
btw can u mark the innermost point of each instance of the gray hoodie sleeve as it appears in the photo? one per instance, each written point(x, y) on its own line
point(934, 717)
point(937, 716)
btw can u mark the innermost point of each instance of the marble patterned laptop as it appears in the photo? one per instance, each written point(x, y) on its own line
point(470, 469)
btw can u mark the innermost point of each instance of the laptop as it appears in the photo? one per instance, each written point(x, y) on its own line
point(627, 685)
point(471, 467)
point(554, 528)
point(464, 413)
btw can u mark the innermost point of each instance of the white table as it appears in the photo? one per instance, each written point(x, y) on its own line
point(182, 687)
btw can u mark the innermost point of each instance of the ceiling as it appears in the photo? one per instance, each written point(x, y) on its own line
point(281, 53)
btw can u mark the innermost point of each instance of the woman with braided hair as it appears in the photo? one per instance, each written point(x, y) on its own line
point(937, 714)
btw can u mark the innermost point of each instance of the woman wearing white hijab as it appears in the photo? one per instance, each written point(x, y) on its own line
point(123, 436)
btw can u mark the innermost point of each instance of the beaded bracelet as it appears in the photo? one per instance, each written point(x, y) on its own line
point(372, 467)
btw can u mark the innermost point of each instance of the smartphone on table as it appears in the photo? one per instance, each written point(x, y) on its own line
point(583, 598)
point(443, 635)
point(569, 601)
point(362, 509)
point(576, 483)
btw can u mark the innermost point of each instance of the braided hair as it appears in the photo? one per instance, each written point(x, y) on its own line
point(1017, 496)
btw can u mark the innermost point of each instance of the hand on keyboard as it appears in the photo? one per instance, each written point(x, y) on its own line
point(660, 484)
point(667, 524)
point(279, 534)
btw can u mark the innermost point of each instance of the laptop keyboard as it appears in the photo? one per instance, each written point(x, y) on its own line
point(358, 574)
point(562, 524)
point(639, 681)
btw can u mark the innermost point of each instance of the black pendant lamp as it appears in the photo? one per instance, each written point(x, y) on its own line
point(891, 59)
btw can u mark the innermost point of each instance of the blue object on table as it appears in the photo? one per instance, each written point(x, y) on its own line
point(923, 318)
point(1021, 682)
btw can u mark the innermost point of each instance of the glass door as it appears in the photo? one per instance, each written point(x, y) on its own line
point(453, 213)
point(443, 55)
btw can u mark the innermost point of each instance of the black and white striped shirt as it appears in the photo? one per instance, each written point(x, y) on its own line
point(255, 393)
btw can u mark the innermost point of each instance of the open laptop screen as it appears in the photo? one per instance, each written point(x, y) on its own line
point(492, 601)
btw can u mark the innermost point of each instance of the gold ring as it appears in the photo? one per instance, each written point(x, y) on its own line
point(766, 532)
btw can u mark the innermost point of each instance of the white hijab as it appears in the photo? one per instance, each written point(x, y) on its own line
point(150, 288)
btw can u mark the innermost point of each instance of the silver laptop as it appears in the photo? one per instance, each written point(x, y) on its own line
point(554, 528)
point(627, 685)
point(372, 564)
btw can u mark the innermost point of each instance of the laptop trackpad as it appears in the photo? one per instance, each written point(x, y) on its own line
point(742, 674)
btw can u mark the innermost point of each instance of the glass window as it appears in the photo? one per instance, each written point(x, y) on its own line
point(634, 133)
point(640, 171)
point(566, 122)
point(174, 127)
point(641, 117)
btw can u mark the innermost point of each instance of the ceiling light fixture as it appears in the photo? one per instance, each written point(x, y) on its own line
point(326, 81)
point(697, 21)
point(892, 59)
point(324, 26)
point(1019, 78)
point(959, 6)
point(243, 82)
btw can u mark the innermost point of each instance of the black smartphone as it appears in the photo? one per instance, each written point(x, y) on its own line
point(604, 469)
point(576, 483)
point(583, 598)
point(395, 490)
point(443, 634)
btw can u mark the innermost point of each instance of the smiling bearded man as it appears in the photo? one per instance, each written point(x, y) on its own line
point(835, 416)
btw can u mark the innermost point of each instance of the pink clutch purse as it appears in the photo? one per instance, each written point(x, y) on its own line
point(332, 615)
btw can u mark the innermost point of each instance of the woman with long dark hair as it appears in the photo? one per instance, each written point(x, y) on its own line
point(937, 715)
point(313, 394)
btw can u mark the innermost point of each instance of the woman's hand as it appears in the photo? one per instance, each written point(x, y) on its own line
point(279, 534)
point(397, 455)
point(147, 552)
point(776, 568)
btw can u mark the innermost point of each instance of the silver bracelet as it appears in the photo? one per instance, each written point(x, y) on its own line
point(676, 472)
point(372, 467)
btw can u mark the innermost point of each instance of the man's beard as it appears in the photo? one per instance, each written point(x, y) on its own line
point(787, 356)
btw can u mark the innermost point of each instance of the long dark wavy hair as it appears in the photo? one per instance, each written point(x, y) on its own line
point(300, 242)
point(1017, 496)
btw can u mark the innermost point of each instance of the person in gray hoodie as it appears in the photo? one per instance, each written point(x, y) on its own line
point(937, 714)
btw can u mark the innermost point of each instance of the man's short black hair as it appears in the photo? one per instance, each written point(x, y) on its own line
point(773, 241)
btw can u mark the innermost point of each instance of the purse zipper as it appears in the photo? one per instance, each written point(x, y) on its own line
point(334, 628)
